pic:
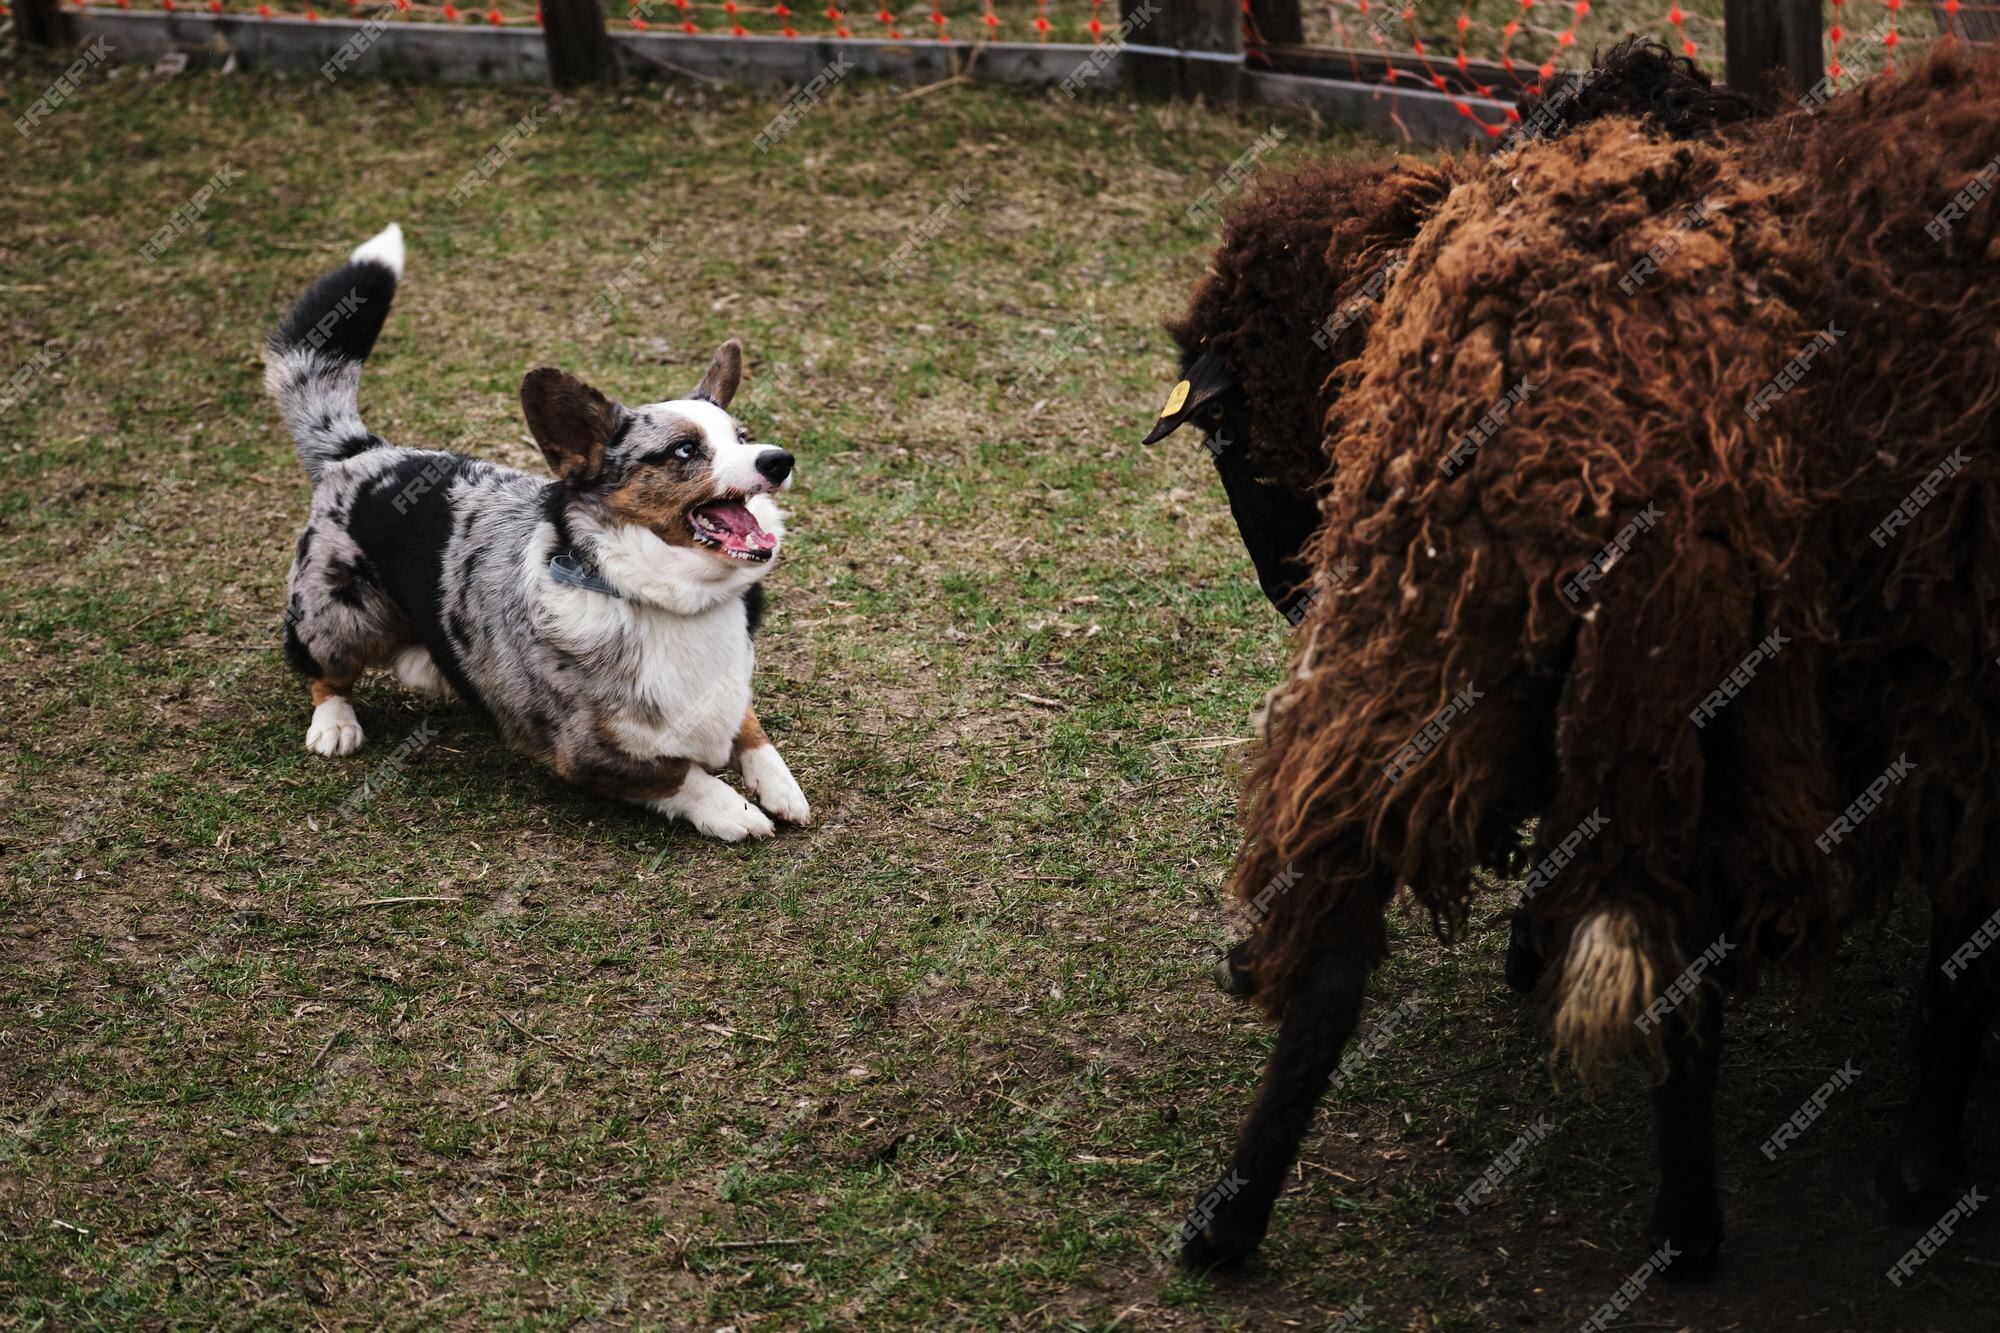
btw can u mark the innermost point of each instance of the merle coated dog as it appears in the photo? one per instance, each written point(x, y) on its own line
point(603, 619)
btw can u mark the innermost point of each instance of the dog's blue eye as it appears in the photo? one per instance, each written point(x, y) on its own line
point(686, 449)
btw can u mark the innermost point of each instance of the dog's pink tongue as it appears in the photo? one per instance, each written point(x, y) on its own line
point(743, 526)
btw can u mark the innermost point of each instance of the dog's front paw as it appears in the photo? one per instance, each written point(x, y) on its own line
point(712, 806)
point(335, 730)
point(771, 782)
point(745, 821)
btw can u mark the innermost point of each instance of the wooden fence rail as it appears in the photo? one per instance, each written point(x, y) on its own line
point(1166, 48)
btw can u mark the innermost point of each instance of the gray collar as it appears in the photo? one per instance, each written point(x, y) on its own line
point(573, 569)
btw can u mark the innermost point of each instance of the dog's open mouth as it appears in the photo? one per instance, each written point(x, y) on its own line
point(728, 526)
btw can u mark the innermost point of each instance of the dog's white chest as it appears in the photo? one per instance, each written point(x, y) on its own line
point(689, 678)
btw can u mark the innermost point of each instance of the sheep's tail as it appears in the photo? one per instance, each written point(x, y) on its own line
point(1609, 978)
point(312, 360)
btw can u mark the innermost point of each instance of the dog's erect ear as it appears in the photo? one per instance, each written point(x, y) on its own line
point(725, 372)
point(571, 421)
point(1205, 380)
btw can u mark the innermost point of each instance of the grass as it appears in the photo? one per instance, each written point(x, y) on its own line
point(949, 1057)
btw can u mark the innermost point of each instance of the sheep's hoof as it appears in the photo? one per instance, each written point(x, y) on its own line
point(1218, 1245)
point(1695, 1239)
point(1913, 1184)
point(1231, 979)
point(1696, 1261)
point(1524, 965)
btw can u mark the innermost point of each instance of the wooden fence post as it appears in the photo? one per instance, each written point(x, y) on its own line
point(1183, 48)
point(580, 49)
point(1278, 20)
point(40, 23)
point(1768, 43)
point(1144, 57)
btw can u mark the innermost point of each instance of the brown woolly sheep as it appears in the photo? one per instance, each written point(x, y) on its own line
point(1328, 239)
point(1730, 554)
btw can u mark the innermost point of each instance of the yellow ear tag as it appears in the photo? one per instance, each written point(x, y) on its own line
point(1175, 399)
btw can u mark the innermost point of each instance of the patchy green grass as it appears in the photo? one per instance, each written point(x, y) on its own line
point(947, 1058)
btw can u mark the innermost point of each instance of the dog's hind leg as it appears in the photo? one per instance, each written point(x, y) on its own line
point(1955, 1002)
point(335, 729)
point(338, 623)
point(1229, 1221)
point(330, 673)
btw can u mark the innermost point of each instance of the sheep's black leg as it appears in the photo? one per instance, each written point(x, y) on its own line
point(1228, 1221)
point(1524, 961)
point(1955, 1002)
point(1686, 1214)
point(1236, 971)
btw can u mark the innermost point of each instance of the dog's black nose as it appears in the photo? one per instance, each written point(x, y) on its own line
point(776, 465)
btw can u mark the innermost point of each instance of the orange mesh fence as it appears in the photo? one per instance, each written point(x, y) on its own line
point(1085, 21)
point(1445, 45)
point(1455, 47)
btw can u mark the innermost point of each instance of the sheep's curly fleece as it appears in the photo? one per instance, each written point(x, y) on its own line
point(1814, 222)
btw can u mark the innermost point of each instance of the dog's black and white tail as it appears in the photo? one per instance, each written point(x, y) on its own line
point(312, 361)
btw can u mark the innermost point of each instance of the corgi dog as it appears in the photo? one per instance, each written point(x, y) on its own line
point(602, 619)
